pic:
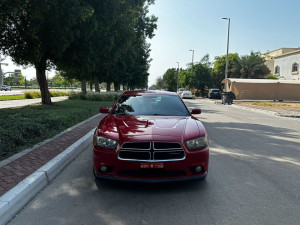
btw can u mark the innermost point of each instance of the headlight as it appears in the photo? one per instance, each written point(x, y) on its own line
point(197, 143)
point(106, 142)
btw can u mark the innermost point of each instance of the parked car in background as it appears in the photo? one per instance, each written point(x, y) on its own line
point(214, 93)
point(150, 136)
point(5, 88)
point(180, 90)
point(186, 94)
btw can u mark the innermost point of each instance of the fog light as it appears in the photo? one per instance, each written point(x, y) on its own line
point(103, 168)
point(198, 169)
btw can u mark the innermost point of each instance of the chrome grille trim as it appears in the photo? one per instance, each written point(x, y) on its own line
point(163, 152)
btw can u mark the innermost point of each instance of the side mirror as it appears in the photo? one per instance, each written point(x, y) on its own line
point(196, 111)
point(103, 110)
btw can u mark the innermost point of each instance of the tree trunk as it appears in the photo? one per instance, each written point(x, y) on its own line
point(41, 77)
point(83, 86)
point(117, 86)
point(97, 88)
point(108, 86)
point(91, 85)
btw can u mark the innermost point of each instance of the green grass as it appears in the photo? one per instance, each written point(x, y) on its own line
point(11, 97)
point(23, 127)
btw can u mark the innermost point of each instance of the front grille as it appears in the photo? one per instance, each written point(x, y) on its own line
point(151, 151)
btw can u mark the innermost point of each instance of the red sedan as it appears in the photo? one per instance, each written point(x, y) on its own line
point(150, 136)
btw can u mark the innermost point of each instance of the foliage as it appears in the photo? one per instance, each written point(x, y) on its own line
point(170, 79)
point(219, 65)
point(160, 84)
point(32, 94)
point(250, 66)
point(85, 39)
point(38, 32)
point(91, 96)
point(23, 127)
point(273, 77)
point(183, 78)
point(199, 77)
point(61, 80)
point(37, 94)
point(116, 51)
point(14, 80)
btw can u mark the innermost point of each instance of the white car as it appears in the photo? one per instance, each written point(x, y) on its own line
point(186, 94)
point(180, 90)
point(5, 88)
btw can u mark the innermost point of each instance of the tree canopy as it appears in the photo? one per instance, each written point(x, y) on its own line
point(205, 74)
point(86, 39)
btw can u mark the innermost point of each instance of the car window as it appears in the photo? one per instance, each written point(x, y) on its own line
point(165, 105)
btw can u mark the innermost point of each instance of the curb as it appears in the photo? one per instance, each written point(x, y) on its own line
point(16, 199)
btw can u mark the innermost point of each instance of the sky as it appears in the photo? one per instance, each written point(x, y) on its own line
point(183, 25)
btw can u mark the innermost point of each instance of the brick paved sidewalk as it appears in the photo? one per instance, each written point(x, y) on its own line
point(17, 170)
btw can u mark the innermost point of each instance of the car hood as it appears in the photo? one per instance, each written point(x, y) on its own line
point(143, 128)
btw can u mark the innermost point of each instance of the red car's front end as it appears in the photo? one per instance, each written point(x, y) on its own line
point(150, 148)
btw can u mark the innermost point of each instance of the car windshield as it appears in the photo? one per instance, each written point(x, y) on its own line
point(157, 105)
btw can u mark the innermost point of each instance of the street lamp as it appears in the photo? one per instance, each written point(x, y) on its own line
point(192, 57)
point(226, 69)
point(177, 76)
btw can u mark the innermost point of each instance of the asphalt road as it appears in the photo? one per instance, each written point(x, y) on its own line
point(254, 178)
point(12, 92)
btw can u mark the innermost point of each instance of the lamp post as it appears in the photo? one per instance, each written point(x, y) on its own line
point(192, 56)
point(177, 76)
point(226, 69)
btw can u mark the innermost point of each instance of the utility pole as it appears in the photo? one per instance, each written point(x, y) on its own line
point(192, 56)
point(226, 69)
point(177, 76)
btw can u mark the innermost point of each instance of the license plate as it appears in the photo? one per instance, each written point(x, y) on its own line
point(152, 165)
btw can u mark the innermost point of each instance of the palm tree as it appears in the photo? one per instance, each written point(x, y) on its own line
point(250, 66)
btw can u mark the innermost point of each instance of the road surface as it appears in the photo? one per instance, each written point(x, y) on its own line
point(254, 178)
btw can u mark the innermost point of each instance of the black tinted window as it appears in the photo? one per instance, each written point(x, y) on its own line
point(150, 105)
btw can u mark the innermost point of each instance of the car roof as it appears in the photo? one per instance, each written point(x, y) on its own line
point(143, 92)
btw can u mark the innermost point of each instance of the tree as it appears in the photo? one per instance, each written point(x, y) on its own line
point(184, 77)
point(170, 79)
point(199, 77)
point(218, 72)
point(116, 51)
point(39, 32)
point(250, 66)
point(14, 79)
point(160, 84)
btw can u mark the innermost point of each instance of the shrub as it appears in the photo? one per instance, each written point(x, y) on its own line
point(273, 77)
point(37, 94)
point(32, 94)
point(59, 93)
point(91, 96)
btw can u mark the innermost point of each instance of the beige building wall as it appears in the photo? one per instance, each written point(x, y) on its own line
point(264, 90)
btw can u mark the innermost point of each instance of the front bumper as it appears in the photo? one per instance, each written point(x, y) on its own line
point(125, 170)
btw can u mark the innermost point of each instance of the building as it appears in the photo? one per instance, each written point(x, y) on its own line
point(284, 63)
point(264, 89)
